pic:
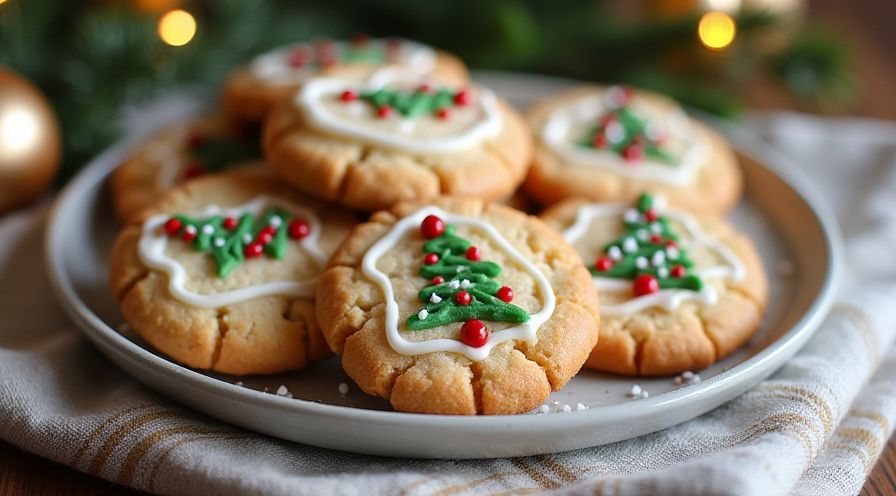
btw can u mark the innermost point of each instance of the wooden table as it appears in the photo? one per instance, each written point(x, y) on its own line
point(866, 24)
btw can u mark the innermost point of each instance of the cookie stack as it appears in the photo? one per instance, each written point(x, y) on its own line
point(352, 198)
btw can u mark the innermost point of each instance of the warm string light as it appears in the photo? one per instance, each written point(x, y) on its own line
point(716, 30)
point(177, 27)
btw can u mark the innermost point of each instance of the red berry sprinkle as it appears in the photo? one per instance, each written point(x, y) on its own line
point(600, 141)
point(172, 226)
point(432, 227)
point(264, 237)
point(298, 229)
point(438, 280)
point(633, 153)
point(443, 114)
point(431, 259)
point(670, 243)
point(650, 215)
point(656, 239)
point(297, 58)
point(348, 96)
point(424, 88)
point(603, 264)
point(384, 112)
point(474, 333)
point(188, 234)
point(253, 250)
point(678, 271)
point(463, 298)
point(463, 97)
point(230, 223)
point(474, 253)
point(645, 284)
point(505, 294)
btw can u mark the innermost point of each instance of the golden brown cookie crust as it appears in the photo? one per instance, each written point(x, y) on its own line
point(551, 179)
point(248, 98)
point(371, 177)
point(514, 378)
point(145, 175)
point(657, 342)
point(269, 334)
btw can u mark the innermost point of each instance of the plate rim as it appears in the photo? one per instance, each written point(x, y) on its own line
point(104, 335)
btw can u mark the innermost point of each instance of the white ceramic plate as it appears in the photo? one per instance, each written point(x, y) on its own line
point(794, 230)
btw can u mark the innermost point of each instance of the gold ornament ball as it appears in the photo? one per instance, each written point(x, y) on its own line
point(30, 146)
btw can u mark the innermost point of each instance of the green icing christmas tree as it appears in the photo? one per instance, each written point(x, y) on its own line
point(622, 131)
point(230, 240)
point(462, 286)
point(412, 103)
point(648, 253)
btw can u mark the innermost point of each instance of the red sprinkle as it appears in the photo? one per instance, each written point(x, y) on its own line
point(264, 237)
point(600, 141)
point(603, 264)
point(650, 215)
point(656, 239)
point(474, 254)
point(348, 96)
point(679, 271)
point(297, 58)
point(474, 333)
point(633, 153)
point(253, 250)
point(463, 97)
point(424, 88)
point(645, 284)
point(230, 223)
point(505, 294)
point(384, 112)
point(671, 243)
point(188, 235)
point(463, 298)
point(431, 259)
point(172, 226)
point(298, 229)
point(438, 280)
point(432, 227)
point(443, 114)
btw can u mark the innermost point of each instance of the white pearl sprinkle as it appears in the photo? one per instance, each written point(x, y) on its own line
point(614, 253)
point(422, 314)
point(635, 390)
point(658, 259)
point(656, 227)
point(631, 215)
point(687, 377)
point(434, 298)
point(641, 263)
point(662, 272)
point(208, 229)
point(343, 388)
point(190, 229)
point(219, 242)
point(615, 132)
point(276, 221)
point(630, 245)
point(672, 253)
point(461, 268)
point(454, 284)
point(247, 238)
point(642, 234)
point(637, 393)
point(465, 283)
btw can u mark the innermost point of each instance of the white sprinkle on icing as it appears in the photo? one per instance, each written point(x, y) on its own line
point(190, 229)
point(615, 132)
point(208, 229)
point(662, 272)
point(656, 227)
point(642, 234)
point(461, 268)
point(219, 242)
point(672, 253)
point(614, 253)
point(630, 245)
point(658, 259)
point(247, 238)
point(454, 284)
point(276, 221)
point(641, 263)
point(434, 298)
point(631, 215)
point(465, 283)
point(422, 314)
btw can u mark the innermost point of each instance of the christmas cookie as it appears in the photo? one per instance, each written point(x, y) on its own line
point(678, 291)
point(179, 153)
point(397, 137)
point(610, 144)
point(458, 307)
point(221, 273)
point(252, 90)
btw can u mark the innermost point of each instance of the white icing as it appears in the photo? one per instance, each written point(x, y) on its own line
point(273, 67)
point(310, 98)
point(556, 135)
point(525, 332)
point(733, 269)
point(153, 241)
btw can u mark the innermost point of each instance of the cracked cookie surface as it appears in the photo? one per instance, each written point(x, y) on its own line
point(516, 375)
point(247, 333)
point(656, 340)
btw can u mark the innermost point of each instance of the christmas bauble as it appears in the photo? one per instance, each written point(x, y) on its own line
point(29, 141)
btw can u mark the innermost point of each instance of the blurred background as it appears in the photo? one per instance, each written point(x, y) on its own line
point(89, 57)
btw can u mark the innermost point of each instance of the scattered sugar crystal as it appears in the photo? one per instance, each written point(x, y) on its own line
point(461, 268)
point(687, 377)
point(555, 403)
point(239, 383)
point(637, 393)
point(544, 409)
point(343, 388)
point(282, 391)
point(567, 408)
point(580, 407)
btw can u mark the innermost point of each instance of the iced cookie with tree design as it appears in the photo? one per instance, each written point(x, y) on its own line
point(612, 143)
point(397, 137)
point(201, 146)
point(220, 274)
point(252, 90)
point(457, 306)
point(678, 290)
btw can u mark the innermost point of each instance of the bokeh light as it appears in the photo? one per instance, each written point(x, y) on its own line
point(716, 30)
point(177, 27)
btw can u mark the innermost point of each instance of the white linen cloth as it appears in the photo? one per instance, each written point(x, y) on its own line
point(815, 427)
